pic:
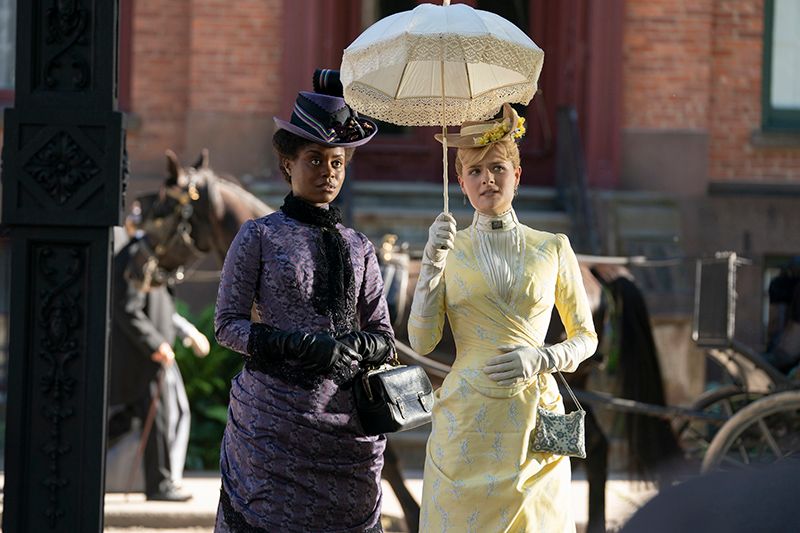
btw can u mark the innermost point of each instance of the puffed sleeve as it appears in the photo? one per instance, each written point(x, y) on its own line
point(373, 311)
point(426, 319)
point(237, 288)
point(576, 314)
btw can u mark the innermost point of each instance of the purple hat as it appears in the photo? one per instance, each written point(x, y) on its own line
point(327, 120)
point(327, 81)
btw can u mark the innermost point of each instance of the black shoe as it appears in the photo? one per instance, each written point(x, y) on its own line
point(171, 494)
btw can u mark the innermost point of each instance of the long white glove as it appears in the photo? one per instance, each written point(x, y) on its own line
point(441, 239)
point(426, 319)
point(517, 364)
point(520, 363)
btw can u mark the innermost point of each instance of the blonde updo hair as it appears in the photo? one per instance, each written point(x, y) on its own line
point(506, 148)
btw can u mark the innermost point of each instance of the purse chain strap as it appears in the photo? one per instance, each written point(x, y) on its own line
point(569, 390)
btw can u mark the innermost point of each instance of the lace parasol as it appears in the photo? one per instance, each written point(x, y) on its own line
point(440, 65)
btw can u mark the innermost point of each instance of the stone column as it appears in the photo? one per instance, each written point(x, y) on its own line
point(62, 192)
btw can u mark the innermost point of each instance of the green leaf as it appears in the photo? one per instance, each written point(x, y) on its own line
point(218, 412)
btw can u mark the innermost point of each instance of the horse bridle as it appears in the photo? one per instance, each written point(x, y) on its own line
point(181, 236)
point(184, 210)
point(147, 263)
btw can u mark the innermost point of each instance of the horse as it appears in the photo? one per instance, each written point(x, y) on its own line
point(196, 212)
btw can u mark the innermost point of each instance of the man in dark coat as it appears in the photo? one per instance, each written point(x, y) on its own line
point(141, 352)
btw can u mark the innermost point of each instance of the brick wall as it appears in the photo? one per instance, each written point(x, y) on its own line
point(201, 68)
point(696, 65)
point(736, 97)
point(235, 55)
point(160, 81)
point(667, 63)
point(207, 73)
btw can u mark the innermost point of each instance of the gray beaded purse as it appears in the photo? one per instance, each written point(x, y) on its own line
point(560, 434)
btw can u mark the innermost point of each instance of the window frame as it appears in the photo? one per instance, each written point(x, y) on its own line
point(7, 93)
point(773, 119)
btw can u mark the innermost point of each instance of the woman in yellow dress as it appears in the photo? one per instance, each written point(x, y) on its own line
point(497, 281)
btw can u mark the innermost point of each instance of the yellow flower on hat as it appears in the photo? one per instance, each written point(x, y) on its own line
point(500, 131)
point(480, 133)
point(519, 131)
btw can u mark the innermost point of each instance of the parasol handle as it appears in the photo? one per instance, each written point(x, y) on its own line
point(445, 194)
point(444, 173)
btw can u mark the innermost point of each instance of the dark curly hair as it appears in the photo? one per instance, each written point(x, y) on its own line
point(287, 145)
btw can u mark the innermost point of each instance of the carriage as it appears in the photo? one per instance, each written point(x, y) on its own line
point(760, 406)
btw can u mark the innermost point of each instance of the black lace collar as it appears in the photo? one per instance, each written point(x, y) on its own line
point(334, 283)
point(303, 211)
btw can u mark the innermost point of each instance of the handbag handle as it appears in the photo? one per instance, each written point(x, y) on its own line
point(391, 361)
point(569, 390)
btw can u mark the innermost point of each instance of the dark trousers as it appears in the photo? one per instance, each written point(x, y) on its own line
point(157, 472)
point(156, 458)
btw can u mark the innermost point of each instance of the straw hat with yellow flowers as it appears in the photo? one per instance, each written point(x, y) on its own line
point(477, 134)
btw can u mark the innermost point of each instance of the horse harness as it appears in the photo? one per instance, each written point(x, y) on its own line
point(180, 236)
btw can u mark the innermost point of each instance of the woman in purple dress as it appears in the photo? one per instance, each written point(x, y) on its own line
point(294, 456)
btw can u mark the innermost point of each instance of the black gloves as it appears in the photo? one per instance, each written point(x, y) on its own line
point(374, 348)
point(316, 353)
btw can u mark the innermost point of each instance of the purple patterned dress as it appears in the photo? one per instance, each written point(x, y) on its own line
point(294, 458)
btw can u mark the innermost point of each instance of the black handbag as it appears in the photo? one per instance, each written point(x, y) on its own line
point(393, 397)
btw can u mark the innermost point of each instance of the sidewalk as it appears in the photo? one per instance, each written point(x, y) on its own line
point(132, 513)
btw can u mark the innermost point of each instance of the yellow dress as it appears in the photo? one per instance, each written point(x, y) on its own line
point(479, 474)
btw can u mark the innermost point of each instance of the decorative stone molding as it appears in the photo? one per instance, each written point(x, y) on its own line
point(61, 167)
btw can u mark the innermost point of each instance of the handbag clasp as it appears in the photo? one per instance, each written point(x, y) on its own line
point(423, 400)
point(367, 388)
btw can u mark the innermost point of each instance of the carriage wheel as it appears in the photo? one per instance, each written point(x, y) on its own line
point(764, 432)
point(695, 435)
